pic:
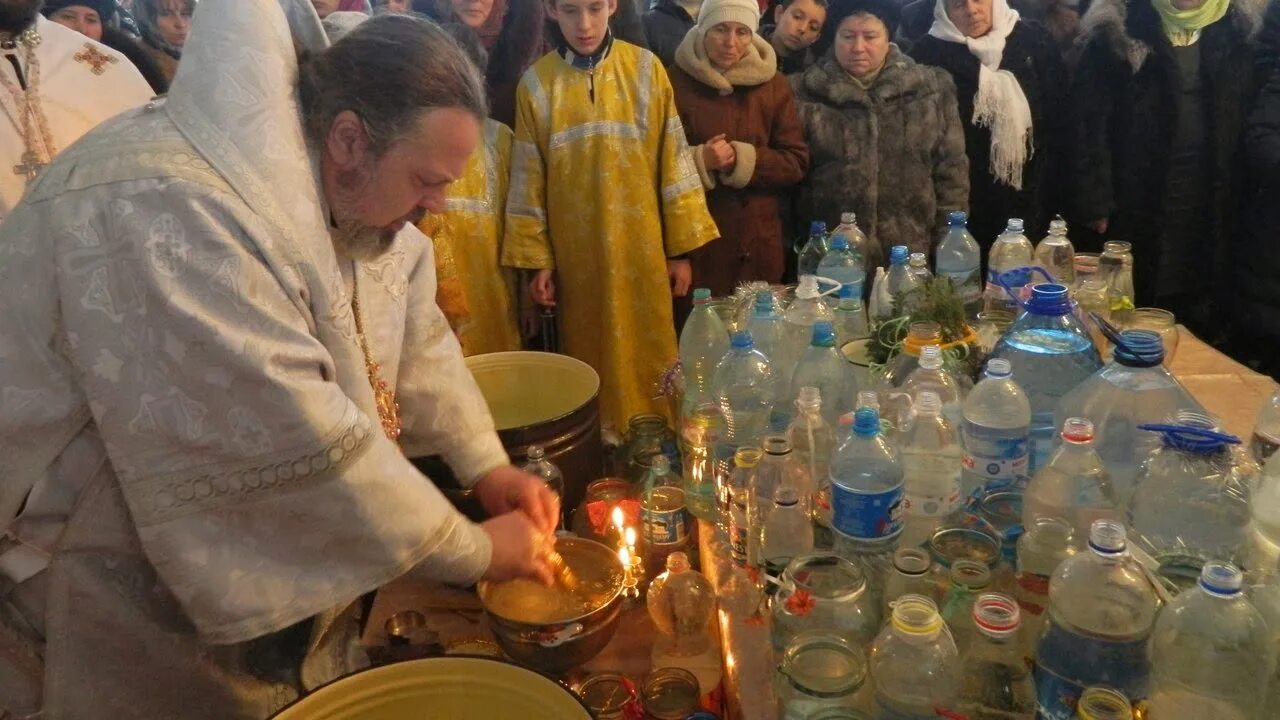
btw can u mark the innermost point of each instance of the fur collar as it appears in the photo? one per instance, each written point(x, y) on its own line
point(899, 76)
point(757, 67)
point(1131, 28)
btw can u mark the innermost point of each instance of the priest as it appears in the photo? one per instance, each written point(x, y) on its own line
point(55, 85)
point(219, 344)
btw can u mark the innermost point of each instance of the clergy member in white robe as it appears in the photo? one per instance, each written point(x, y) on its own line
point(197, 483)
point(55, 85)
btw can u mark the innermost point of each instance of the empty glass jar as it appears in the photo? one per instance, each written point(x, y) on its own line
point(824, 592)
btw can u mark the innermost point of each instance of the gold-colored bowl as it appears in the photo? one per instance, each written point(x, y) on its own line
point(440, 688)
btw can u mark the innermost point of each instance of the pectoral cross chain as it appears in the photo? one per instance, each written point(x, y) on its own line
point(30, 166)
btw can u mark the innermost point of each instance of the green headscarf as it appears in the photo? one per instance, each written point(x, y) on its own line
point(1182, 27)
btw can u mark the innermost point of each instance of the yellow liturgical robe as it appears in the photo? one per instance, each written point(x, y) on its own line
point(603, 190)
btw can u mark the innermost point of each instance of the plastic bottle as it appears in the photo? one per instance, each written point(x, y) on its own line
point(681, 603)
point(915, 668)
point(738, 520)
point(930, 469)
point(866, 487)
point(1266, 431)
point(1264, 505)
point(1101, 612)
point(1051, 353)
point(1043, 546)
point(918, 267)
point(1099, 703)
point(538, 464)
point(995, 680)
point(1091, 298)
point(814, 250)
point(778, 467)
point(1010, 251)
point(1057, 255)
point(932, 376)
point(745, 387)
point(958, 257)
point(769, 333)
point(850, 317)
point(843, 264)
point(1073, 485)
point(968, 579)
point(703, 343)
point(822, 367)
point(919, 336)
point(899, 283)
point(1191, 504)
point(995, 431)
point(664, 516)
point(910, 574)
point(849, 230)
point(1133, 389)
point(787, 532)
point(813, 441)
point(808, 308)
point(1211, 655)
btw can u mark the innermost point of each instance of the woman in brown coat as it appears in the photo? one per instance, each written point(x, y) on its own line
point(746, 139)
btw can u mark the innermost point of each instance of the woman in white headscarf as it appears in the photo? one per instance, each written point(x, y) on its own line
point(1011, 89)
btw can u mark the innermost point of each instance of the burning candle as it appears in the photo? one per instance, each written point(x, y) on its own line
point(617, 518)
point(629, 536)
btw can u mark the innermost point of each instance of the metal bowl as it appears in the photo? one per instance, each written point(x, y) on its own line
point(552, 629)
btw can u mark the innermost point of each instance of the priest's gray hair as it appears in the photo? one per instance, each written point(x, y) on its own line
point(388, 71)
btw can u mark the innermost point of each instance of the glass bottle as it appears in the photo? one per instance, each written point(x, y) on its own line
point(787, 532)
point(1116, 267)
point(1211, 655)
point(663, 515)
point(819, 670)
point(608, 695)
point(648, 435)
point(914, 665)
point(1074, 485)
point(538, 464)
point(813, 441)
point(968, 580)
point(1100, 703)
point(995, 680)
point(930, 471)
point(824, 592)
point(1057, 255)
point(910, 576)
point(1092, 298)
point(1046, 544)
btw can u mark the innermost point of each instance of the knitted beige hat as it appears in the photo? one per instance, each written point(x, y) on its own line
point(714, 12)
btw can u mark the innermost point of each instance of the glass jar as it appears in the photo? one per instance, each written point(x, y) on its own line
point(608, 695)
point(1092, 296)
point(670, 694)
point(1116, 267)
point(1002, 509)
point(594, 519)
point(648, 435)
point(964, 536)
point(824, 592)
point(1099, 703)
point(819, 670)
point(991, 326)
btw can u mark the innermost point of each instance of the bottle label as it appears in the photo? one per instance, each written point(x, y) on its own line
point(738, 538)
point(665, 525)
point(1057, 696)
point(995, 455)
point(937, 480)
point(867, 515)
point(930, 505)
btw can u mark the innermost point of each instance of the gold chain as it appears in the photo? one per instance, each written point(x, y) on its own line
point(384, 396)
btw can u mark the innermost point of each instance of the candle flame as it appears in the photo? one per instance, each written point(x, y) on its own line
point(624, 556)
point(630, 535)
point(617, 516)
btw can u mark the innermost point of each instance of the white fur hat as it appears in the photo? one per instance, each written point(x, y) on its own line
point(714, 12)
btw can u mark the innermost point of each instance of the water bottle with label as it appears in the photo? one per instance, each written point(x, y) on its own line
point(814, 250)
point(995, 431)
point(866, 487)
point(738, 497)
point(843, 265)
point(958, 257)
point(1010, 251)
point(1057, 255)
point(665, 518)
point(931, 471)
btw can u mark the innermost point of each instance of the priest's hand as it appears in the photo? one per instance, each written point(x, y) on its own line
point(519, 549)
point(680, 272)
point(507, 488)
point(542, 288)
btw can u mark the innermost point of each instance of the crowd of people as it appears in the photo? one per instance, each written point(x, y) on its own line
point(1141, 120)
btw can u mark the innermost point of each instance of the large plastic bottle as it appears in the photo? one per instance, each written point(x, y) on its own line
point(769, 333)
point(1211, 655)
point(995, 431)
point(1264, 504)
point(1073, 485)
point(778, 467)
point(932, 376)
point(1191, 503)
point(1133, 389)
point(807, 308)
point(1101, 612)
point(843, 264)
point(1044, 545)
point(821, 366)
point(995, 680)
point(1051, 353)
point(1266, 431)
point(914, 664)
point(849, 230)
point(900, 282)
point(703, 343)
point(1057, 255)
point(958, 257)
point(814, 250)
point(850, 318)
point(813, 440)
point(866, 487)
point(787, 532)
point(930, 471)
point(745, 387)
point(1010, 251)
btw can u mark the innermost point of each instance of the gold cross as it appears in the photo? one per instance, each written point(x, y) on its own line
point(97, 60)
point(30, 166)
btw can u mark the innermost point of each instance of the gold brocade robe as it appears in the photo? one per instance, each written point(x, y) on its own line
point(603, 190)
point(475, 293)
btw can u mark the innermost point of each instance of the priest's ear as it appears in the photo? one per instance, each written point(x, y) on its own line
point(347, 141)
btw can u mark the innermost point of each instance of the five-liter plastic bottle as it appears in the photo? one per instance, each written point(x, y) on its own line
point(814, 250)
point(930, 469)
point(915, 668)
point(866, 487)
point(1102, 609)
point(744, 385)
point(704, 341)
point(995, 431)
point(1133, 389)
point(1010, 251)
point(843, 264)
point(1051, 353)
point(932, 376)
point(822, 367)
point(1074, 484)
point(1056, 254)
point(1211, 655)
point(995, 681)
point(813, 440)
point(958, 257)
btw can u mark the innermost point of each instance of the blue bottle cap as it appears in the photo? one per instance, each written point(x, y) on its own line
point(741, 340)
point(817, 227)
point(898, 255)
point(764, 300)
point(957, 217)
point(866, 422)
point(1049, 299)
point(701, 294)
point(1223, 579)
point(824, 334)
point(839, 242)
point(1139, 348)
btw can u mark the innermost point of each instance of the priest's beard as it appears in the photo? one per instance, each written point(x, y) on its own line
point(17, 15)
point(352, 238)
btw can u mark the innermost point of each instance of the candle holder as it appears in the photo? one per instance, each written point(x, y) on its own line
point(630, 585)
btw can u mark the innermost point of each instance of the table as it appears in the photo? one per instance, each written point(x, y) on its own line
point(1227, 389)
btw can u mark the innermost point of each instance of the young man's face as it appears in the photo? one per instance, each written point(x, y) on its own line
point(583, 22)
point(799, 24)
